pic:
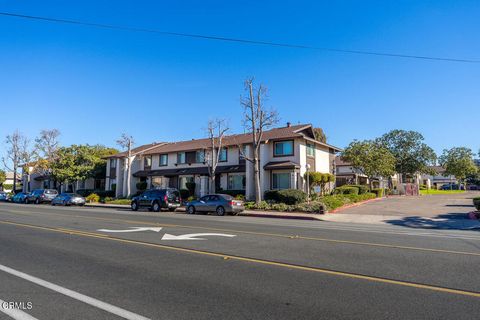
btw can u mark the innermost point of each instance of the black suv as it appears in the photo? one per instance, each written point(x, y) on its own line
point(157, 199)
point(41, 195)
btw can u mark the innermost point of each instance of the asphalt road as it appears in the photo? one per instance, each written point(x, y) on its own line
point(89, 263)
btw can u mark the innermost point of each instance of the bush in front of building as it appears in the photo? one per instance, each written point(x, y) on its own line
point(191, 187)
point(93, 197)
point(346, 189)
point(361, 188)
point(287, 196)
point(233, 193)
point(101, 193)
point(378, 192)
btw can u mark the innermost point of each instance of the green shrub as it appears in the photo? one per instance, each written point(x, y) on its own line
point(106, 199)
point(333, 202)
point(361, 188)
point(476, 202)
point(93, 197)
point(141, 186)
point(240, 197)
point(423, 187)
point(118, 201)
point(287, 196)
point(312, 207)
point(378, 192)
point(347, 189)
point(233, 193)
point(184, 193)
point(6, 186)
point(279, 207)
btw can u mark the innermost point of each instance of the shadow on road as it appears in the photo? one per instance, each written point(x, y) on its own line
point(449, 221)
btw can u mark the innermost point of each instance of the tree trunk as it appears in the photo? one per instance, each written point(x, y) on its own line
point(256, 173)
point(211, 187)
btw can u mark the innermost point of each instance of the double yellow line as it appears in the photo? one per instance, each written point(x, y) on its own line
point(252, 260)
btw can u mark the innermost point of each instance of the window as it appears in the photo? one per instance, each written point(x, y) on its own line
point(281, 180)
point(147, 162)
point(181, 157)
point(242, 152)
point(163, 160)
point(113, 163)
point(310, 150)
point(200, 156)
point(223, 155)
point(236, 182)
point(283, 148)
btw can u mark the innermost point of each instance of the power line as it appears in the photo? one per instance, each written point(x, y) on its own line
point(228, 39)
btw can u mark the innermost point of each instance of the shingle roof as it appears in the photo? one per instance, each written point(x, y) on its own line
point(340, 162)
point(293, 131)
point(136, 150)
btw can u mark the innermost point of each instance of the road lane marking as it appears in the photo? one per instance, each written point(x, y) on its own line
point(360, 243)
point(132, 229)
point(260, 261)
point(16, 314)
point(75, 295)
point(194, 236)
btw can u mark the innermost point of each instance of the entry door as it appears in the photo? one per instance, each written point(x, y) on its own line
point(217, 182)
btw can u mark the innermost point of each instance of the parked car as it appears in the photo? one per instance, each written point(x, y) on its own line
point(218, 203)
point(20, 197)
point(68, 199)
point(4, 196)
point(38, 196)
point(157, 199)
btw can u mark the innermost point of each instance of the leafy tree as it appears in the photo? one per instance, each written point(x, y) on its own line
point(370, 158)
point(411, 154)
point(79, 162)
point(3, 176)
point(320, 135)
point(458, 162)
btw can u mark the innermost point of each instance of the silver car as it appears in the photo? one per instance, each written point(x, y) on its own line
point(4, 196)
point(68, 199)
point(218, 203)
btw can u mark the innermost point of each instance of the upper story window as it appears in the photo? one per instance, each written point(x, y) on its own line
point(283, 148)
point(181, 157)
point(223, 157)
point(242, 153)
point(310, 149)
point(200, 156)
point(163, 160)
point(147, 162)
point(113, 163)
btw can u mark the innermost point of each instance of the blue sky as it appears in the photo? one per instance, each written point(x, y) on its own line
point(93, 84)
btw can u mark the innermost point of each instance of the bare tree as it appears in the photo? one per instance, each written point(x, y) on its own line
point(216, 130)
point(18, 152)
point(127, 142)
point(46, 145)
point(256, 120)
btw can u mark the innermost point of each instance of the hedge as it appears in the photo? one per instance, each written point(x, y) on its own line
point(347, 189)
point(378, 192)
point(312, 207)
point(101, 193)
point(232, 193)
point(361, 188)
point(287, 196)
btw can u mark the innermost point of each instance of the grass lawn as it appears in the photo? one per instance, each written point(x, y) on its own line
point(119, 201)
point(433, 191)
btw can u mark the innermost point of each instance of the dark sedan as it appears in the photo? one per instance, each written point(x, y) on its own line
point(68, 199)
point(218, 203)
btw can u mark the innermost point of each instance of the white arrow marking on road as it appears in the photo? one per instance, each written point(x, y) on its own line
point(193, 236)
point(132, 229)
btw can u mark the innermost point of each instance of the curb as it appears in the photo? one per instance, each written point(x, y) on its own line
point(106, 206)
point(354, 205)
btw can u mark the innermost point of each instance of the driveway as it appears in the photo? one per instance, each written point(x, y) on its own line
point(432, 211)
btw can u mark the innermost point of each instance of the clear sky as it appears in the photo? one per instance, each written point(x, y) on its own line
point(93, 84)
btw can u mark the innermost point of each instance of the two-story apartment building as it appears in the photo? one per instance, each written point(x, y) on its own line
point(284, 155)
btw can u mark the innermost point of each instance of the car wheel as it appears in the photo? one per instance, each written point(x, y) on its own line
point(220, 211)
point(156, 207)
point(134, 206)
point(191, 210)
point(25, 201)
point(53, 204)
point(37, 201)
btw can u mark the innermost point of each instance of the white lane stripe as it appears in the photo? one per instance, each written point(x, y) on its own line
point(15, 313)
point(75, 295)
